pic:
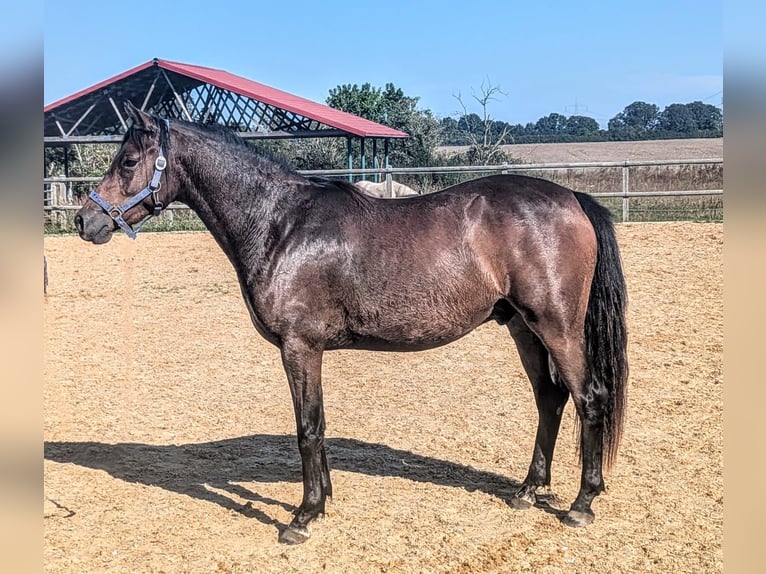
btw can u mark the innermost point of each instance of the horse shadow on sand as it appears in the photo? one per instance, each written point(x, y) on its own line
point(205, 470)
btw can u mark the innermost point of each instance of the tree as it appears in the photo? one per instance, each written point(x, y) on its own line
point(452, 134)
point(308, 153)
point(636, 121)
point(706, 116)
point(517, 132)
point(390, 106)
point(55, 158)
point(552, 124)
point(401, 112)
point(696, 119)
point(678, 119)
point(581, 126)
point(471, 124)
point(365, 101)
point(485, 136)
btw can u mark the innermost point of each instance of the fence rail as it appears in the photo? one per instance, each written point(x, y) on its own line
point(58, 197)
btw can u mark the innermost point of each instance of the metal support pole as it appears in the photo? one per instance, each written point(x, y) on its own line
point(119, 115)
point(179, 101)
point(362, 157)
point(149, 93)
point(350, 152)
point(376, 178)
point(625, 192)
point(69, 192)
point(82, 117)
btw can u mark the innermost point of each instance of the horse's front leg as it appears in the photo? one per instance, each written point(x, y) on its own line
point(303, 365)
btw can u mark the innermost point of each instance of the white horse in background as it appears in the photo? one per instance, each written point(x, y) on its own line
point(380, 190)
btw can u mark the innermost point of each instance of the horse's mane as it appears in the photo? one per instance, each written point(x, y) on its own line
point(218, 132)
point(228, 136)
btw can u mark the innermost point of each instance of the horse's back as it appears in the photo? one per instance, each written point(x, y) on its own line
point(516, 192)
point(514, 203)
point(501, 215)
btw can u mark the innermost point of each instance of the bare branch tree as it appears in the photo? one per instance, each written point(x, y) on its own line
point(485, 146)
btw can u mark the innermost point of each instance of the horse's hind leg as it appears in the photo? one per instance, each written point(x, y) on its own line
point(550, 396)
point(568, 355)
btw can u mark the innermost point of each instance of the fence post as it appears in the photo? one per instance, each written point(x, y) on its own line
point(52, 195)
point(58, 198)
point(48, 201)
point(625, 191)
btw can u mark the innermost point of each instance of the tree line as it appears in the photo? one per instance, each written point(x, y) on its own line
point(638, 121)
point(485, 135)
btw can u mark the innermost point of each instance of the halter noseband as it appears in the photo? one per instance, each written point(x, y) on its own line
point(117, 211)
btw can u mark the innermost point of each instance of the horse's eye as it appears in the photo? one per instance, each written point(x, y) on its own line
point(128, 162)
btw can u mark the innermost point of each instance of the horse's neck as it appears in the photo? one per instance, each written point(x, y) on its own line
point(240, 205)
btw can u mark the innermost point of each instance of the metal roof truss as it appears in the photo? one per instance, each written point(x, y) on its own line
point(176, 96)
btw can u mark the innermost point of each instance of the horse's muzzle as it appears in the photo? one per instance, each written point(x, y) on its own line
point(94, 226)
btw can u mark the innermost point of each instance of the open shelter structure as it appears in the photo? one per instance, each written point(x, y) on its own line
point(189, 92)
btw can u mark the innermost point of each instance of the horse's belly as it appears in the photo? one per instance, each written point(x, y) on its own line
point(399, 344)
point(411, 326)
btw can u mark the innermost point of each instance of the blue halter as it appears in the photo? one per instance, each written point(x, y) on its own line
point(116, 212)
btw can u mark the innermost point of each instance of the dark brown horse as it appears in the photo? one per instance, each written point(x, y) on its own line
point(322, 267)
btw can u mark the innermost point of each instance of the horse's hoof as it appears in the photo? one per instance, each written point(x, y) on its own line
point(522, 503)
point(292, 535)
point(577, 518)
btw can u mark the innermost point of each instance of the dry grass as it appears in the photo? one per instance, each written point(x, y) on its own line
point(169, 435)
point(703, 148)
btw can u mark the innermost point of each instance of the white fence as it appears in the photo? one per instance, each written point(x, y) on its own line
point(58, 197)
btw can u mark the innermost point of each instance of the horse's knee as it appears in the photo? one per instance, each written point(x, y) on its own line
point(311, 443)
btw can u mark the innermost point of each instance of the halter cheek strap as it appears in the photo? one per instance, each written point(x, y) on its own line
point(116, 212)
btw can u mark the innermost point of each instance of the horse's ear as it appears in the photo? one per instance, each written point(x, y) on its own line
point(140, 119)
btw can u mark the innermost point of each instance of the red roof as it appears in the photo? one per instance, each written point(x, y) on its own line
point(225, 80)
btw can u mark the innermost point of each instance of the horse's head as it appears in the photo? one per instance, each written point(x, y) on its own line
point(133, 188)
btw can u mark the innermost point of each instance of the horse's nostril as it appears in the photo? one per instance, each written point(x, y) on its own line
point(78, 223)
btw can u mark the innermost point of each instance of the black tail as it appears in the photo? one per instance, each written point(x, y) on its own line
point(606, 335)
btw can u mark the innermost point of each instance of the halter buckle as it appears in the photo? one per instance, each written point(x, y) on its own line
point(158, 206)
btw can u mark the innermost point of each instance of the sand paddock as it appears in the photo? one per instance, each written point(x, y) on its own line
point(169, 433)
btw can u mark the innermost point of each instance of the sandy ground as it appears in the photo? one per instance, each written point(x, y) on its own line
point(702, 148)
point(169, 435)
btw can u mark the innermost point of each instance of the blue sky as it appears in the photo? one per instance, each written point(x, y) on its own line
point(587, 57)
